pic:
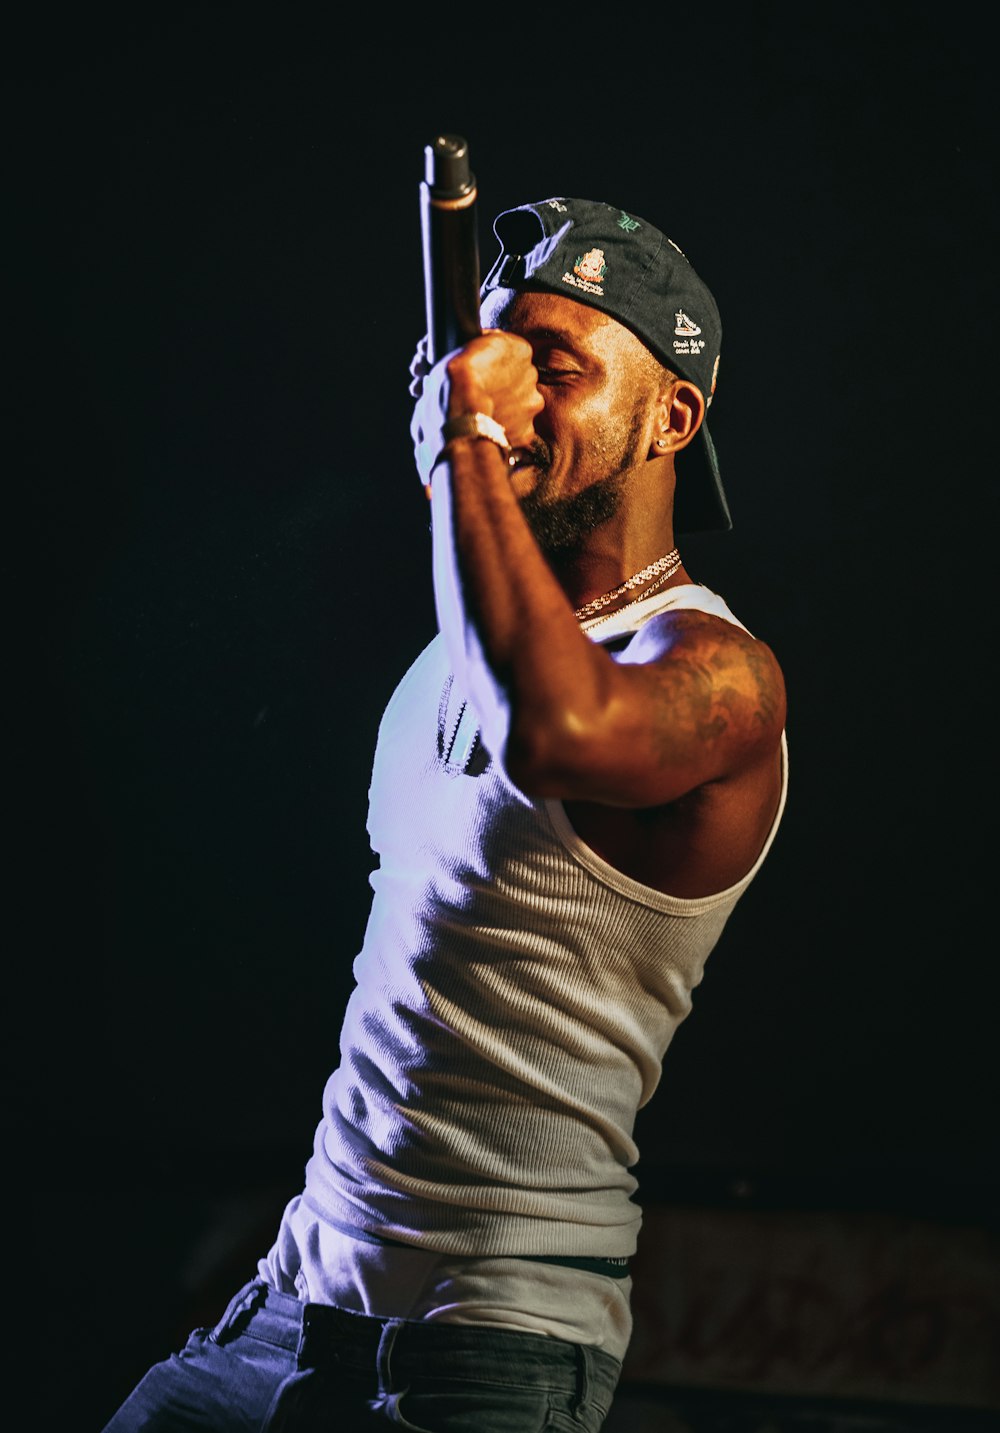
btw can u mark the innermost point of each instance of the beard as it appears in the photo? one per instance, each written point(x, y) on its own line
point(561, 525)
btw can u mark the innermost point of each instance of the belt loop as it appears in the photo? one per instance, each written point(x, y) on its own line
point(386, 1403)
point(584, 1377)
point(243, 1303)
point(321, 1339)
point(305, 1329)
point(386, 1343)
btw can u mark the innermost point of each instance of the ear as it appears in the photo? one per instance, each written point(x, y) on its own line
point(680, 410)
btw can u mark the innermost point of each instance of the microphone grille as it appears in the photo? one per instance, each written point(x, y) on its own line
point(446, 166)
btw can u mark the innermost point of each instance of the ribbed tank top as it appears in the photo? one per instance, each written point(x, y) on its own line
point(514, 998)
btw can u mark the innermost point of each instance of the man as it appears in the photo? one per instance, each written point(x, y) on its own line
point(573, 785)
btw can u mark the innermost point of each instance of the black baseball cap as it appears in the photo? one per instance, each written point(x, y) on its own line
point(614, 261)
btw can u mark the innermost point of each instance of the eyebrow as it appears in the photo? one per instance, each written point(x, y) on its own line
point(552, 335)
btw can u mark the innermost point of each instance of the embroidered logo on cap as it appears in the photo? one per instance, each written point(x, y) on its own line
point(687, 332)
point(627, 223)
point(588, 271)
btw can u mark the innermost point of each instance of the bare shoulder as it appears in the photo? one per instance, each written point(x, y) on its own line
point(690, 701)
point(716, 668)
point(691, 628)
point(706, 712)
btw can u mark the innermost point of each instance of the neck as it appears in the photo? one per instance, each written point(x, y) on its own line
point(609, 558)
point(661, 572)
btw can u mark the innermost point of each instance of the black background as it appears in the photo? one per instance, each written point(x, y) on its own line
point(224, 570)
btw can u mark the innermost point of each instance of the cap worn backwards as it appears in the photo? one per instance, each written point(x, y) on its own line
point(613, 261)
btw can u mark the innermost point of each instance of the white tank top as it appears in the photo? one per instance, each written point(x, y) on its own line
point(514, 999)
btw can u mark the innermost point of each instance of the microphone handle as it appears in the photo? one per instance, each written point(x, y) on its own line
point(450, 238)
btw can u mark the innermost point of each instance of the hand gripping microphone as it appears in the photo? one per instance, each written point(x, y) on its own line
point(451, 245)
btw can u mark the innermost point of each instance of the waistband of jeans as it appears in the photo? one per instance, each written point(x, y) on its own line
point(610, 1268)
point(320, 1334)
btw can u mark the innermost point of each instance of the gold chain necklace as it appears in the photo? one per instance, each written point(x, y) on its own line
point(667, 565)
point(653, 586)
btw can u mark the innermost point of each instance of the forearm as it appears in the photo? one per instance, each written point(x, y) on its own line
point(510, 630)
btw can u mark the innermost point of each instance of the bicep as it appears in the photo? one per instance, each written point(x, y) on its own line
point(693, 700)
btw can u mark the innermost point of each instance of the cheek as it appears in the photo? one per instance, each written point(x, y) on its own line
point(595, 434)
point(572, 418)
point(607, 438)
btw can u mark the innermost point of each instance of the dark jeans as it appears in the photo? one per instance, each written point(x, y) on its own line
point(275, 1365)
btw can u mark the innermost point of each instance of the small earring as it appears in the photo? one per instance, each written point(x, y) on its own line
point(661, 442)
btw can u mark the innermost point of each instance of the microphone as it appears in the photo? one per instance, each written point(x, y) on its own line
point(451, 245)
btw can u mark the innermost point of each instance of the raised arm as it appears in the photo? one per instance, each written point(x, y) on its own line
point(697, 699)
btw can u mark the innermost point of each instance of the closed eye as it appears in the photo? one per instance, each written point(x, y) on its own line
point(555, 375)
